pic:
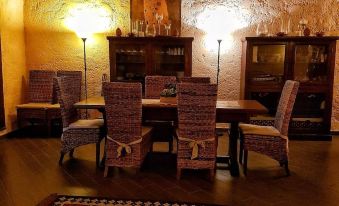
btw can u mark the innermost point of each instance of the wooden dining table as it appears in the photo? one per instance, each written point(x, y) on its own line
point(232, 112)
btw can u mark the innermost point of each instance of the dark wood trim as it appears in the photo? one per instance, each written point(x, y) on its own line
point(310, 137)
point(2, 109)
point(293, 38)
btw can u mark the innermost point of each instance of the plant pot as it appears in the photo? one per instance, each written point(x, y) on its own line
point(169, 100)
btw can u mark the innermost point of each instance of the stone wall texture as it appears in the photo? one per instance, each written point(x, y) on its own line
point(13, 58)
point(51, 45)
point(335, 105)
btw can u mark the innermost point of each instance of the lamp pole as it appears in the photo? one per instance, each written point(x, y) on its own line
point(85, 66)
point(219, 41)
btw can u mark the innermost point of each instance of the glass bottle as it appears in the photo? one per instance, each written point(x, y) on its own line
point(147, 33)
point(154, 30)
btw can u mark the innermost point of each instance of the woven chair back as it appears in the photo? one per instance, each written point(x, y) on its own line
point(77, 77)
point(285, 106)
point(68, 94)
point(123, 108)
point(196, 110)
point(155, 84)
point(203, 80)
point(41, 86)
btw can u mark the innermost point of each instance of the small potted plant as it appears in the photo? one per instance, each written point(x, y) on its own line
point(168, 95)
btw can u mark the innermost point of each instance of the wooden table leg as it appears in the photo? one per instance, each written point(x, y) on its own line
point(102, 163)
point(233, 145)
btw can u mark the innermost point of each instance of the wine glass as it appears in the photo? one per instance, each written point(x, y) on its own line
point(168, 29)
point(159, 18)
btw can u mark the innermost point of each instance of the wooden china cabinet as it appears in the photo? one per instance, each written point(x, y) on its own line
point(270, 61)
point(132, 58)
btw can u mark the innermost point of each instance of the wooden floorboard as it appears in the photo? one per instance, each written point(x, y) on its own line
point(29, 172)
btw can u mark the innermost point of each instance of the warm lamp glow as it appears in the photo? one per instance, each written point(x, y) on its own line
point(220, 23)
point(87, 19)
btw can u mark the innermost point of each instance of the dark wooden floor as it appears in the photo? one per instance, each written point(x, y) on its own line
point(29, 172)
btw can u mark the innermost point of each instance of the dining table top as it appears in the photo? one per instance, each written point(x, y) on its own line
point(98, 102)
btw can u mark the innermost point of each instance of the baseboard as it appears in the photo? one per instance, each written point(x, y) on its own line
point(335, 133)
point(10, 134)
point(311, 137)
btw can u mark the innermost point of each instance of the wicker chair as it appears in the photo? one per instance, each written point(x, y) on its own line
point(40, 95)
point(127, 141)
point(55, 113)
point(163, 130)
point(206, 80)
point(197, 142)
point(76, 132)
point(269, 140)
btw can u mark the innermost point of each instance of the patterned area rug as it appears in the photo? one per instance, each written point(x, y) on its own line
point(64, 200)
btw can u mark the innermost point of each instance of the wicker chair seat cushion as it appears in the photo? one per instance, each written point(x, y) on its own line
point(87, 123)
point(259, 130)
point(38, 106)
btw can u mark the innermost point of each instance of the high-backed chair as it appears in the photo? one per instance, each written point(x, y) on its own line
point(197, 142)
point(206, 80)
point(76, 132)
point(127, 141)
point(40, 93)
point(163, 130)
point(55, 113)
point(271, 140)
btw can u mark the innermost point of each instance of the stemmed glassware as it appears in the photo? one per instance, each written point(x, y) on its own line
point(159, 18)
point(168, 28)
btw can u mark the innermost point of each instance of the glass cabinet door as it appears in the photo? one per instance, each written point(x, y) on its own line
point(310, 63)
point(170, 60)
point(130, 62)
point(267, 63)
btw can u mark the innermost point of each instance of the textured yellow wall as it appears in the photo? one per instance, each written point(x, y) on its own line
point(50, 45)
point(13, 58)
point(335, 106)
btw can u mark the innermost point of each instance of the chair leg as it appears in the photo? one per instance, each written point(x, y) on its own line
point(287, 169)
point(170, 145)
point(241, 150)
point(71, 153)
point(97, 154)
point(61, 158)
point(49, 128)
point(212, 174)
point(106, 171)
point(245, 161)
point(178, 173)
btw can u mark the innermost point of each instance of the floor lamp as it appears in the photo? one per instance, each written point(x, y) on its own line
point(85, 67)
point(219, 41)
